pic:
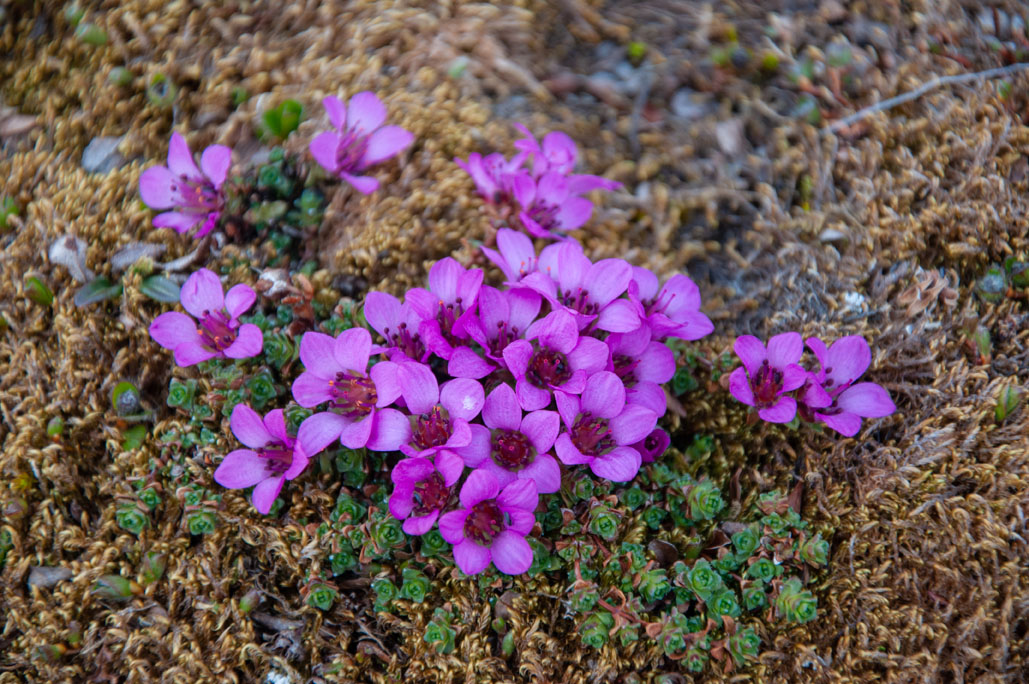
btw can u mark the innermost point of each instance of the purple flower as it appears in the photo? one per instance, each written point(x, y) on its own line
point(439, 415)
point(336, 371)
point(833, 396)
point(674, 310)
point(274, 456)
point(446, 305)
point(492, 174)
point(502, 318)
point(643, 366)
point(590, 292)
point(359, 141)
point(767, 376)
point(653, 446)
point(548, 205)
point(512, 446)
point(558, 154)
point(396, 322)
point(602, 427)
point(517, 256)
point(220, 333)
point(553, 358)
point(421, 489)
point(491, 525)
point(193, 195)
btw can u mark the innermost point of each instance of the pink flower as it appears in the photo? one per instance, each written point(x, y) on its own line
point(548, 206)
point(833, 397)
point(491, 525)
point(602, 427)
point(421, 489)
point(589, 291)
point(193, 195)
point(512, 446)
point(440, 416)
point(220, 333)
point(503, 317)
point(558, 154)
point(767, 376)
point(653, 446)
point(553, 358)
point(674, 310)
point(273, 456)
point(336, 372)
point(643, 366)
point(517, 256)
point(359, 141)
point(492, 174)
point(397, 323)
point(446, 305)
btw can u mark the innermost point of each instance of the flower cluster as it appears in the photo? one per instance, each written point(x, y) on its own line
point(196, 196)
point(562, 365)
point(537, 184)
point(773, 381)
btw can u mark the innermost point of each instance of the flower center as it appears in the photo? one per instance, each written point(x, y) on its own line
point(766, 384)
point(484, 522)
point(659, 304)
point(579, 300)
point(625, 367)
point(512, 450)
point(592, 436)
point(353, 395)
point(447, 316)
point(199, 196)
point(432, 430)
point(216, 333)
point(406, 341)
point(548, 368)
point(431, 494)
point(544, 214)
point(279, 458)
point(505, 336)
point(351, 150)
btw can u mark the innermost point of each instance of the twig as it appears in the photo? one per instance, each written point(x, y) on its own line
point(836, 126)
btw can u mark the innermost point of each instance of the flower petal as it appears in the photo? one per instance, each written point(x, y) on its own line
point(249, 428)
point(632, 424)
point(847, 424)
point(568, 452)
point(419, 525)
point(793, 376)
point(545, 472)
point(215, 162)
point(463, 398)
point(618, 316)
point(621, 465)
point(365, 112)
point(739, 387)
point(180, 159)
point(866, 399)
point(202, 292)
point(419, 387)
point(401, 503)
point(336, 110)
point(382, 311)
point(385, 143)
point(479, 486)
point(365, 185)
point(604, 395)
point(178, 221)
point(356, 435)
point(465, 363)
point(607, 279)
point(173, 328)
point(191, 353)
point(309, 389)
point(530, 397)
point(785, 349)
point(239, 299)
point(782, 411)
point(519, 494)
point(323, 148)
point(849, 358)
point(450, 466)
point(249, 342)
point(541, 427)
point(158, 188)
point(501, 410)
point(478, 449)
point(451, 526)
point(390, 429)
point(590, 355)
point(319, 431)
point(751, 352)
point(511, 553)
point(241, 468)
point(265, 494)
point(517, 356)
point(470, 557)
point(386, 376)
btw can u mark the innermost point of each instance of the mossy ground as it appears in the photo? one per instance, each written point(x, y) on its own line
point(782, 225)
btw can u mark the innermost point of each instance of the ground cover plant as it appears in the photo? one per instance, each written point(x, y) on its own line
point(580, 342)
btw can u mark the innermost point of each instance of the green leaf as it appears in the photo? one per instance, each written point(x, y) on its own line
point(134, 437)
point(97, 290)
point(160, 288)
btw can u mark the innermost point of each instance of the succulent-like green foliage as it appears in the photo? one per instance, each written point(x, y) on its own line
point(795, 603)
point(439, 633)
point(385, 593)
point(321, 595)
point(415, 585)
point(594, 629)
point(744, 645)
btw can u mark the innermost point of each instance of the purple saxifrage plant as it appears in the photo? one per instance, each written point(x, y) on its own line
point(219, 333)
point(193, 196)
point(767, 376)
point(359, 141)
